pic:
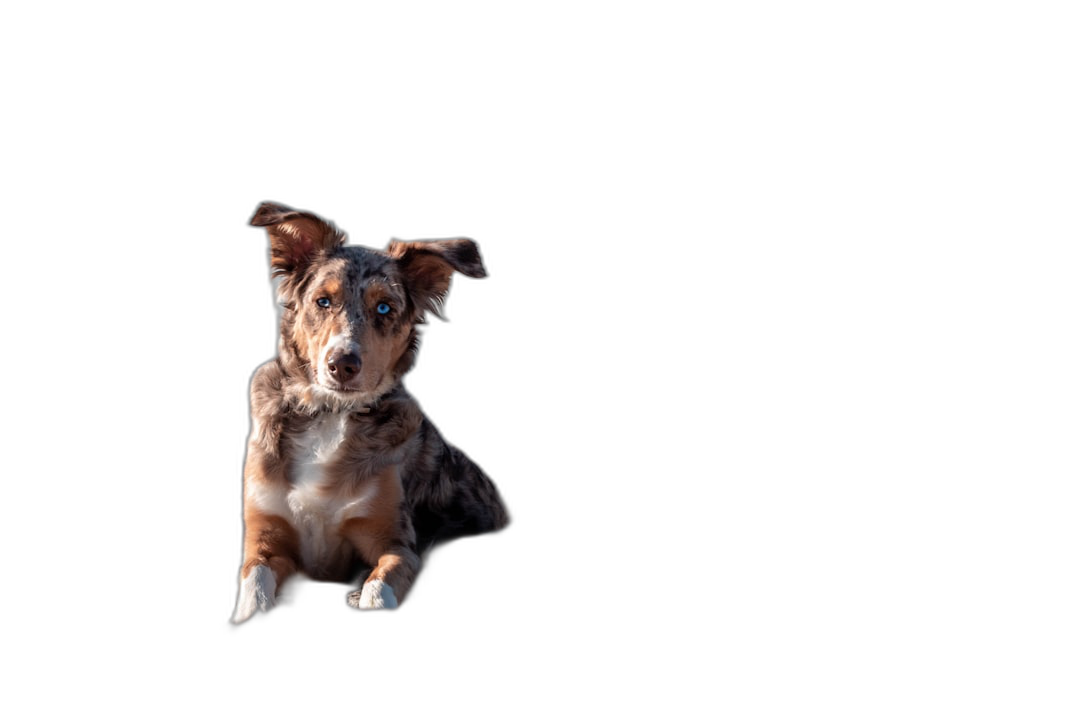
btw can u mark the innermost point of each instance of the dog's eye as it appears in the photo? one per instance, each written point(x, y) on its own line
point(382, 308)
point(323, 302)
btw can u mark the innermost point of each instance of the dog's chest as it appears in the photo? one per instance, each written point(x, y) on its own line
point(316, 499)
point(315, 449)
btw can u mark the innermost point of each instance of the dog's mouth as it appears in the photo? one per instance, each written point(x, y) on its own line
point(343, 388)
point(359, 385)
point(339, 396)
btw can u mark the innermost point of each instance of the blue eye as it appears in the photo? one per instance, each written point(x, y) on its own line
point(323, 302)
point(382, 308)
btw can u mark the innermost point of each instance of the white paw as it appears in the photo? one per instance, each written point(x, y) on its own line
point(257, 592)
point(375, 594)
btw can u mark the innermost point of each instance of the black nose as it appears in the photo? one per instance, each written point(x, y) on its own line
point(343, 366)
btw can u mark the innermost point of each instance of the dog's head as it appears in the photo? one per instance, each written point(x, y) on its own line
point(350, 313)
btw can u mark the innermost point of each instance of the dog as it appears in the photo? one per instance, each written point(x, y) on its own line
point(344, 474)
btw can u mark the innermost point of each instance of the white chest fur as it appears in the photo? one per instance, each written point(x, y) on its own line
point(317, 509)
point(315, 449)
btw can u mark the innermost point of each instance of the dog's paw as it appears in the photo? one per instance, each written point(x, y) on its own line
point(374, 595)
point(257, 592)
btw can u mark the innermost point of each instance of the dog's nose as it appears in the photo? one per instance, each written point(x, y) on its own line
point(343, 366)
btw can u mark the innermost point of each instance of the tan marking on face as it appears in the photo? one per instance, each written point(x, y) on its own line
point(379, 354)
point(382, 348)
point(312, 332)
point(331, 288)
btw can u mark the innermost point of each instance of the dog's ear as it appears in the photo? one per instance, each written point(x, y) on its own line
point(295, 236)
point(428, 264)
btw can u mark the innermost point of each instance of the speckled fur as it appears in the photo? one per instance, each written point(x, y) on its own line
point(342, 474)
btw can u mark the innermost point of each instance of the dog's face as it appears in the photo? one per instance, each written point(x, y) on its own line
point(350, 313)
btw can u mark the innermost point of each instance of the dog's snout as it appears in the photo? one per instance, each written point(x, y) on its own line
point(343, 366)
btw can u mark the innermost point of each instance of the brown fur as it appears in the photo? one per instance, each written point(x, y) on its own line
point(269, 540)
point(343, 468)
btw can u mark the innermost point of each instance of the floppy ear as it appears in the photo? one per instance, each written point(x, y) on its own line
point(428, 264)
point(295, 236)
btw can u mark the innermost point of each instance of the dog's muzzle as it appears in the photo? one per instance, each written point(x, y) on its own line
point(343, 365)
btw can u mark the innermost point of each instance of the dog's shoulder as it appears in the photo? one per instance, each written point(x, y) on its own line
point(393, 422)
point(267, 390)
point(268, 407)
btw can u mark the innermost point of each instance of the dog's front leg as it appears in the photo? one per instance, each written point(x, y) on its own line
point(385, 539)
point(387, 584)
point(270, 556)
